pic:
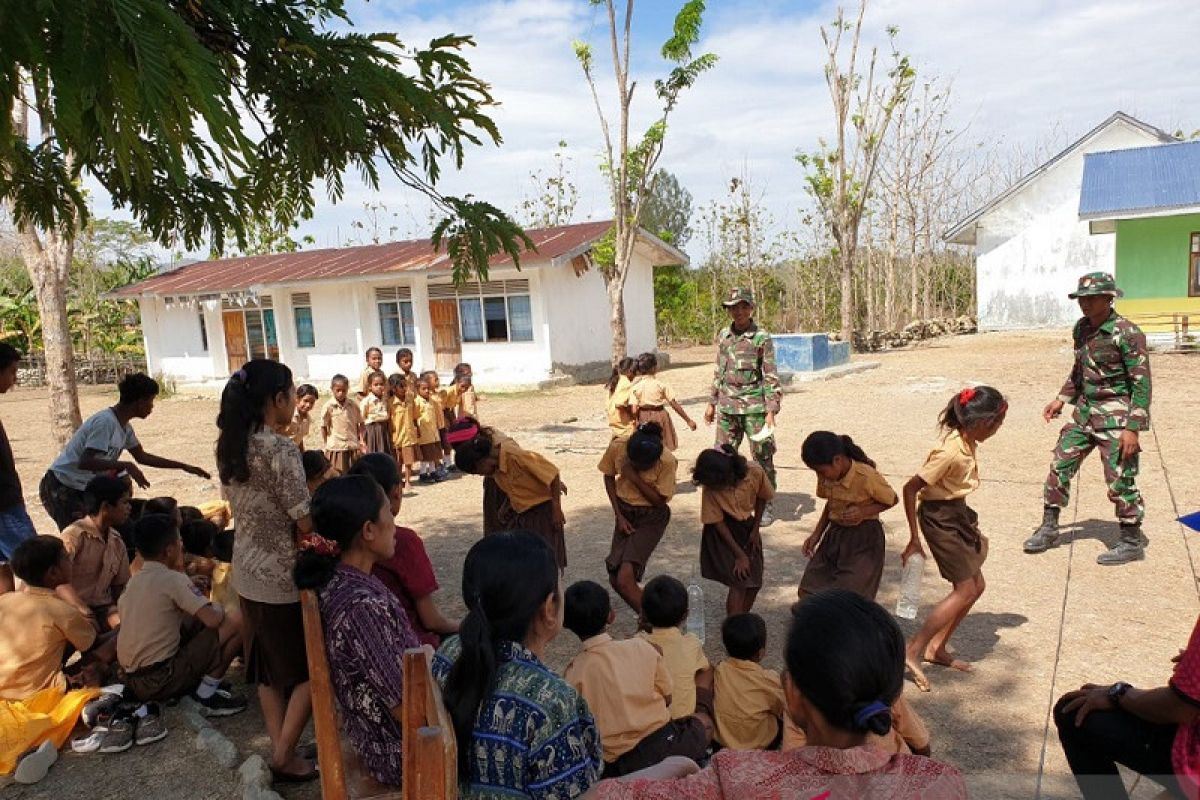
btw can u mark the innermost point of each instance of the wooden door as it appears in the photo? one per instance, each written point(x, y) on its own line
point(447, 341)
point(238, 353)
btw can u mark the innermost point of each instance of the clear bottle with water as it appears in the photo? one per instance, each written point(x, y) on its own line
point(695, 617)
point(910, 587)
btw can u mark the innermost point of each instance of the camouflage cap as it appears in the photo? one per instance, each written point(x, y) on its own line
point(1095, 283)
point(739, 294)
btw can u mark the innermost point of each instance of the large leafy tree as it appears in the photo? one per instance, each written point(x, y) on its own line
point(206, 119)
point(667, 212)
point(629, 162)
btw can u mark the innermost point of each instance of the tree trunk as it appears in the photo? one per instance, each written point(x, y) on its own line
point(846, 264)
point(889, 301)
point(616, 319)
point(48, 265)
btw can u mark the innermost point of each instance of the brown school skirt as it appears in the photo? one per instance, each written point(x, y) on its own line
point(717, 560)
point(430, 453)
point(649, 524)
point(539, 520)
point(662, 416)
point(951, 530)
point(407, 455)
point(379, 438)
point(848, 558)
point(273, 638)
point(340, 461)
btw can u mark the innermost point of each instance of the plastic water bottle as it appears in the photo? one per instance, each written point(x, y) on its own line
point(695, 617)
point(910, 587)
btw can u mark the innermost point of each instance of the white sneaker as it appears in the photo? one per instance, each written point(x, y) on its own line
point(34, 766)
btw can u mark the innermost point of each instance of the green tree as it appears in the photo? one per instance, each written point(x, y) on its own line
point(555, 195)
point(839, 175)
point(205, 118)
point(668, 210)
point(629, 165)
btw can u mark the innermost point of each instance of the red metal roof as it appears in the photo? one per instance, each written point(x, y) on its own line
point(233, 274)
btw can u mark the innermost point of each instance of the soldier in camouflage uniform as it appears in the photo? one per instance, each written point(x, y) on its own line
point(745, 388)
point(1110, 389)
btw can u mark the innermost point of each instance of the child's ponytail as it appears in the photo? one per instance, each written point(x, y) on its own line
point(821, 447)
point(243, 401)
point(719, 467)
point(623, 368)
point(970, 406)
point(340, 509)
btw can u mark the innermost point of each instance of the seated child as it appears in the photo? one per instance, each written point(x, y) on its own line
point(218, 512)
point(408, 574)
point(628, 689)
point(166, 506)
point(316, 469)
point(665, 609)
point(908, 733)
point(747, 699)
point(172, 640)
point(189, 514)
point(36, 625)
point(198, 537)
point(100, 560)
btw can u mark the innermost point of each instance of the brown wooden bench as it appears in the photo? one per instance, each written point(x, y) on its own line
point(429, 752)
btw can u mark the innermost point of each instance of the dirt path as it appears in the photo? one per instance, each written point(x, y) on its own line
point(1045, 625)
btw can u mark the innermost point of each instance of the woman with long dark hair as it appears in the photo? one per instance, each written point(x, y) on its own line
point(263, 478)
point(521, 729)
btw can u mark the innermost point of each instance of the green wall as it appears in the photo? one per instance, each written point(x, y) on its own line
point(1152, 255)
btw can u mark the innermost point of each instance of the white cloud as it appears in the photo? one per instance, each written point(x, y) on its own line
point(1020, 68)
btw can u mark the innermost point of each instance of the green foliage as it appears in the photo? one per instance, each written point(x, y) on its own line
point(667, 210)
point(555, 194)
point(206, 119)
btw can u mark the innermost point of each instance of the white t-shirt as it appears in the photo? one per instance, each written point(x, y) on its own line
point(101, 432)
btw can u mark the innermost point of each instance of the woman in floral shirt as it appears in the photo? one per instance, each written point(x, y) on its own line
point(263, 479)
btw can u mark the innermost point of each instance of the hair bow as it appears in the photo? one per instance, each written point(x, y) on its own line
point(869, 712)
point(239, 376)
point(318, 544)
point(965, 395)
point(462, 435)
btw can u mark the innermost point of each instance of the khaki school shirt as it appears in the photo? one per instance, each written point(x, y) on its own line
point(739, 500)
point(524, 476)
point(620, 418)
point(661, 476)
point(153, 607)
point(907, 735)
point(342, 421)
point(950, 470)
point(425, 414)
point(364, 380)
point(298, 429)
point(374, 409)
point(862, 483)
point(626, 685)
point(650, 391)
point(439, 408)
point(684, 656)
point(35, 627)
point(748, 704)
point(404, 427)
point(98, 562)
point(468, 404)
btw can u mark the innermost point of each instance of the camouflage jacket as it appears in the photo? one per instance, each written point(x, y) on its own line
point(1110, 382)
point(745, 380)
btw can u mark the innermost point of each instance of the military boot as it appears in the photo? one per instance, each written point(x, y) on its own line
point(1046, 536)
point(1130, 547)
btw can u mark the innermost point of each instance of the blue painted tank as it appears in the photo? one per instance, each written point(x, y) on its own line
point(808, 352)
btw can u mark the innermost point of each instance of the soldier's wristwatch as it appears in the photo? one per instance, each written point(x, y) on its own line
point(1117, 691)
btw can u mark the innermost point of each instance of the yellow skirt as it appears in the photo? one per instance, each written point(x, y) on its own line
point(49, 715)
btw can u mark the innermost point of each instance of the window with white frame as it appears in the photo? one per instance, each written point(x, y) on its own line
point(303, 316)
point(495, 311)
point(262, 341)
point(396, 326)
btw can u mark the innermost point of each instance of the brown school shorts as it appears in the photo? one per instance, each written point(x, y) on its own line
point(199, 654)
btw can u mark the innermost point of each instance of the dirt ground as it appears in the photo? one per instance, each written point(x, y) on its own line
point(1046, 624)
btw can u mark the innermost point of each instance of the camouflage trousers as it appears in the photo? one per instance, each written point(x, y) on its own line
point(1074, 444)
point(732, 427)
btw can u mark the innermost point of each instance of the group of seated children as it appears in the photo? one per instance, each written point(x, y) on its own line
point(162, 627)
point(404, 415)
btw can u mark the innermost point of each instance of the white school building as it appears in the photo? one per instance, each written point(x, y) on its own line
point(318, 311)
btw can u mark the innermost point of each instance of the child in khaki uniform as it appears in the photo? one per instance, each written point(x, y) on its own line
point(639, 477)
point(100, 559)
point(848, 546)
point(748, 699)
point(306, 398)
point(428, 441)
point(342, 427)
point(374, 364)
point(437, 398)
point(616, 408)
point(376, 415)
point(649, 398)
point(627, 687)
point(404, 426)
point(908, 734)
point(466, 401)
point(665, 608)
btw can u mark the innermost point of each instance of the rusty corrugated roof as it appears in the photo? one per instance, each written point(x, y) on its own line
point(234, 274)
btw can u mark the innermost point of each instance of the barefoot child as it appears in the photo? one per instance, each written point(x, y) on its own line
point(342, 427)
point(639, 477)
point(404, 427)
point(620, 418)
point(950, 526)
point(649, 398)
point(428, 442)
point(374, 364)
point(734, 495)
point(376, 417)
point(847, 547)
point(527, 494)
point(306, 398)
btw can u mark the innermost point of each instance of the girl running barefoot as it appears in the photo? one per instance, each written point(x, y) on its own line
point(649, 398)
point(950, 526)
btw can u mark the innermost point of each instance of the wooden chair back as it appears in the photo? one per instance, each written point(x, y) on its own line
point(429, 752)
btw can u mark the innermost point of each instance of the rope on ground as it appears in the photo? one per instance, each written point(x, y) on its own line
point(1162, 463)
point(1062, 624)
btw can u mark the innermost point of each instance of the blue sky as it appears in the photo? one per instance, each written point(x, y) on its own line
point(1025, 73)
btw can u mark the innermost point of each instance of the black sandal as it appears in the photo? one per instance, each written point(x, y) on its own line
point(279, 776)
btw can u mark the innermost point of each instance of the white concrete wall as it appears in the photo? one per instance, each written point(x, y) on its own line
point(1031, 249)
point(173, 343)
